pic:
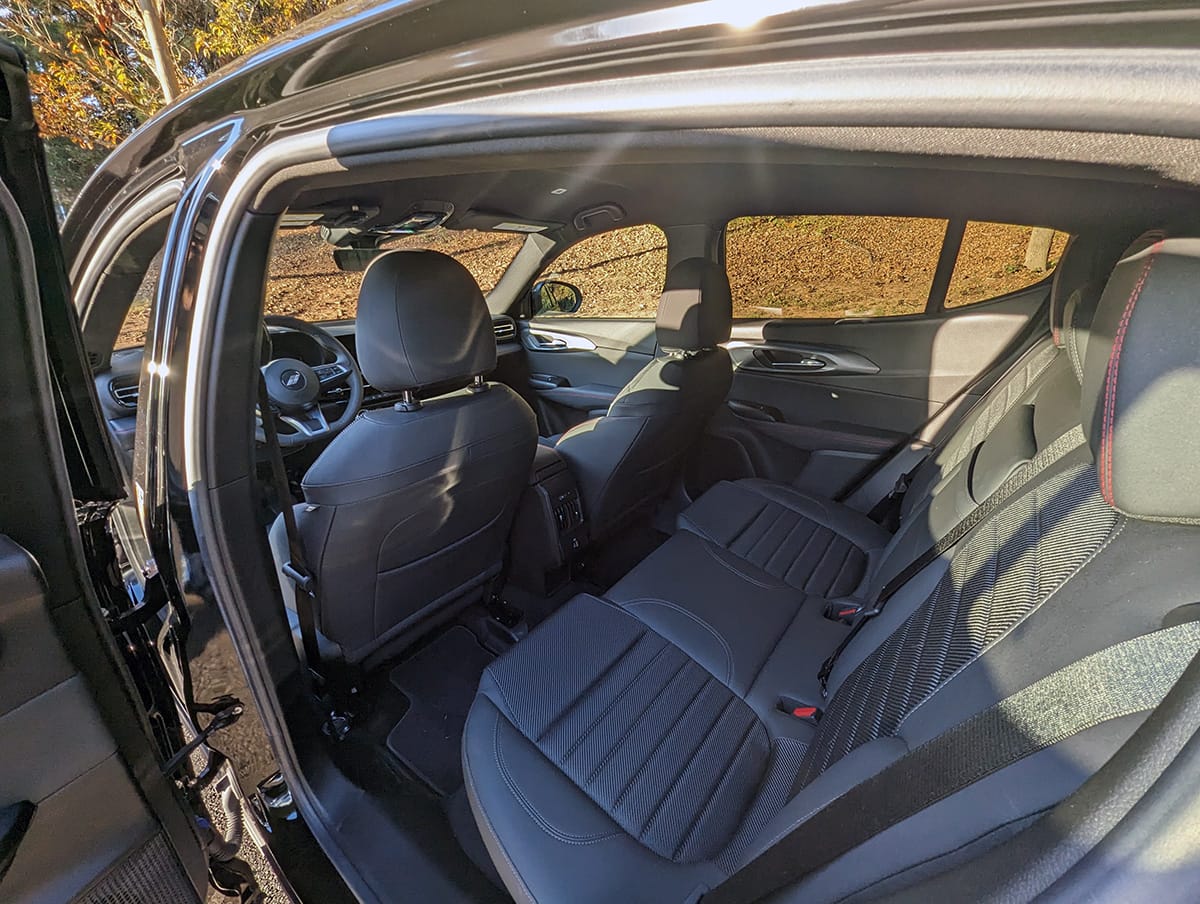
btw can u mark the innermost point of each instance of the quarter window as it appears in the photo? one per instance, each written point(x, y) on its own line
point(996, 259)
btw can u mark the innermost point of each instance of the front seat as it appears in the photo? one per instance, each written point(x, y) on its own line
point(626, 460)
point(408, 509)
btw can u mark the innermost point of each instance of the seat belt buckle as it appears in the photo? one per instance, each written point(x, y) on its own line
point(302, 581)
point(844, 611)
point(798, 709)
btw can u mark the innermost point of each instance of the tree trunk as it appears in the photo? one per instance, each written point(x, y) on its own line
point(1037, 254)
point(160, 49)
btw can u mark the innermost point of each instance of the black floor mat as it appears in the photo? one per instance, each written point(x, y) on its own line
point(440, 682)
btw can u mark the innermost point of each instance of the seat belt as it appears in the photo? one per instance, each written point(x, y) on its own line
point(888, 507)
point(1065, 444)
point(1126, 678)
point(296, 568)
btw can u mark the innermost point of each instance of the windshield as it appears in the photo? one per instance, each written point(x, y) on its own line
point(303, 281)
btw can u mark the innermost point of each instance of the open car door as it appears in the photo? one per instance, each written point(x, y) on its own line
point(87, 812)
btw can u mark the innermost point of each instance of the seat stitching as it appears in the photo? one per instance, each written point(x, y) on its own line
point(726, 773)
point(681, 720)
point(649, 601)
point(591, 685)
point(817, 529)
point(617, 699)
point(1114, 364)
point(634, 724)
point(687, 762)
point(539, 819)
point(491, 830)
point(741, 574)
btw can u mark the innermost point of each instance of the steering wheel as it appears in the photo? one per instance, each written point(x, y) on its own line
point(295, 389)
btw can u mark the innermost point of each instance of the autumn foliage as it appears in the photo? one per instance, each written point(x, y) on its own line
point(93, 69)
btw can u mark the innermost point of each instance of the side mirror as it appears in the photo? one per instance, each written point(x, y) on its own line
point(553, 297)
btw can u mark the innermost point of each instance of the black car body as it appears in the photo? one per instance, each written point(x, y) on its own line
point(1081, 116)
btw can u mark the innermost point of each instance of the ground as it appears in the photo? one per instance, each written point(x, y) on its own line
point(811, 266)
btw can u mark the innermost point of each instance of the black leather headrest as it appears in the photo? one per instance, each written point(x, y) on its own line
point(1141, 386)
point(421, 320)
point(696, 310)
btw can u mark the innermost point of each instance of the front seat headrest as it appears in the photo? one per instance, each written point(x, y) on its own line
point(1141, 386)
point(421, 321)
point(696, 309)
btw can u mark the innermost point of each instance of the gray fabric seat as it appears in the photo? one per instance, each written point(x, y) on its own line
point(625, 461)
point(407, 510)
point(610, 756)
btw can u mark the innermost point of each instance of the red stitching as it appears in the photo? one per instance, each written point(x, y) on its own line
point(1110, 388)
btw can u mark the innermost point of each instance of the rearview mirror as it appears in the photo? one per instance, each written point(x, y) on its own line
point(553, 297)
point(354, 260)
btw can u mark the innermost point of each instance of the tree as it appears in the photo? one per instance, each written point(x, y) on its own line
point(98, 68)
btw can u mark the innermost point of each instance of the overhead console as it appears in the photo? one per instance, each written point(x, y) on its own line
point(550, 529)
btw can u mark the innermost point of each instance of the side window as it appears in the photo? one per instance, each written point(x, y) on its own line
point(137, 318)
point(997, 258)
point(617, 274)
point(831, 266)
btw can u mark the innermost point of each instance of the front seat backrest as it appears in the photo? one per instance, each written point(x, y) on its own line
point(407, 511)
point(626, 460)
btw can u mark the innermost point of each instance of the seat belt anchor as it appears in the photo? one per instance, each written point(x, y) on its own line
point(300, 579)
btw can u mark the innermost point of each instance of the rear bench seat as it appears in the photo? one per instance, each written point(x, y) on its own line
point(637, 748)
point(829, 549)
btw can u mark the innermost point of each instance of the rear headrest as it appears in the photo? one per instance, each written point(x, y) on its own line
point(696, 310)
point(421, 320)
point(1141, 386)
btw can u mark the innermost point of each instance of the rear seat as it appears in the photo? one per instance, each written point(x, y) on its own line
point(826, 548)
point(634, 748)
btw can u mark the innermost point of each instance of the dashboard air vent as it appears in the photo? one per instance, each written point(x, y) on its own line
point(505, 329)
point(124, 394)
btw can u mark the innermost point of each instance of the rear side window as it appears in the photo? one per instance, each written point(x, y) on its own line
point(997, 258)
point(831, 266)
point(619, 274)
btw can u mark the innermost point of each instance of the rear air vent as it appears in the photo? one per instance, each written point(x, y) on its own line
point(124, 394)
point(505, 329)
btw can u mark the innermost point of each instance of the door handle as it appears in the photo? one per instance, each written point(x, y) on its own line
point(544, 341)
point(768, 358)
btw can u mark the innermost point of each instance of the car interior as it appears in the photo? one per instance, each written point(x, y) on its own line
point(725, 476)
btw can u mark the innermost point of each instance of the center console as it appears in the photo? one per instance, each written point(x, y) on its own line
point(549, 530)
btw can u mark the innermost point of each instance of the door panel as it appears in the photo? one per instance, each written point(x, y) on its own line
point(579, 365)
point(816, 403)
point(85, 808)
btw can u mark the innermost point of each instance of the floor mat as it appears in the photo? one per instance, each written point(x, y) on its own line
point(440, 682)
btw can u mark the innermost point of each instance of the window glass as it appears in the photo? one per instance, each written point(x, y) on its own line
point(137, 318)
point(618, 274)
point(304, 282)
point(996, 258)
point(831, 266)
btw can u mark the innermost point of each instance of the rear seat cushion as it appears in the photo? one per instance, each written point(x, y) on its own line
point(723, 612)
point(633, 761)
point(818, 546)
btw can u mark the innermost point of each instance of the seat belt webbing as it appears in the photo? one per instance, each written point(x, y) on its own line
point(1068, 442)
point(296, 567)
point(1126, 678)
